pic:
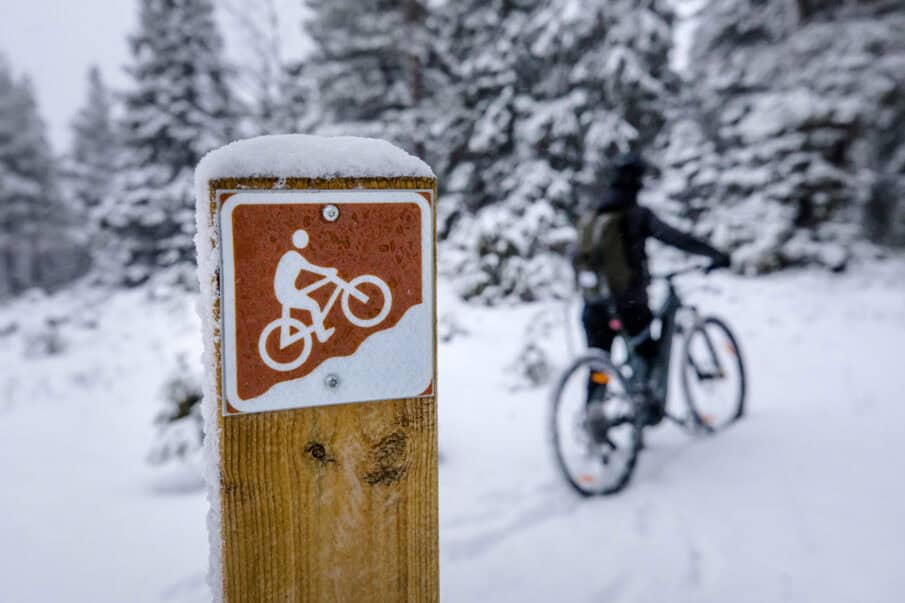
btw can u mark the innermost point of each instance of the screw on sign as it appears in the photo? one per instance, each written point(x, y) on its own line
point(321, 305)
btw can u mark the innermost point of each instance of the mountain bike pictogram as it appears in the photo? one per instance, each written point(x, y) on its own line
point(292, 330)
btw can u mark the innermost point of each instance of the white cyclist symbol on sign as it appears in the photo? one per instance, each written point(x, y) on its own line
point(292, 330)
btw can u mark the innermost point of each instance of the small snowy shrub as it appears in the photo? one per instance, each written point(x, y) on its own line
point(531, 366)
point(44, 341)
point(179, 423)
point(41, 325)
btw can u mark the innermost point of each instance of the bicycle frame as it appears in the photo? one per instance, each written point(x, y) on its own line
point(287, 338)
point(669, 328)
point(666, 314)
point(341, 285)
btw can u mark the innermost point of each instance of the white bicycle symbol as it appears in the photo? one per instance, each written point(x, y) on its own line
point(293, 330)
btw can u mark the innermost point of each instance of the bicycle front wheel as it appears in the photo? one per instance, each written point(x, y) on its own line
point(375, 302)
point(595, 426)
point(713, 375)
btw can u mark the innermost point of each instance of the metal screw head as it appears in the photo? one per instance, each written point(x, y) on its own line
point(330, 213)
point(331, 381)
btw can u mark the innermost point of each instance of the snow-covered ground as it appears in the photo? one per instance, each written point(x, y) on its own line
point(802, 501)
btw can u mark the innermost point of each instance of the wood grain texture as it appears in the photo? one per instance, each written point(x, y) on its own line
point(331, 503)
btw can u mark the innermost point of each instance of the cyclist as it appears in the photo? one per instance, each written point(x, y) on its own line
point(611, 265)
point(290, 267)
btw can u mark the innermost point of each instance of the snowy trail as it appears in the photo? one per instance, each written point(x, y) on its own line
point(802, 501)
point(82, 515)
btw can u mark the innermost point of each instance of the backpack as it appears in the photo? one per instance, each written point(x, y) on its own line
point(601, 261)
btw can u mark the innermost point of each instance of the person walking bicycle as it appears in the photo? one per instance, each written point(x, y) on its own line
point(600, 405)
point(611, 264)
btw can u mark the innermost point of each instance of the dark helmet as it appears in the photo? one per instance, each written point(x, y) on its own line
point(628, 171)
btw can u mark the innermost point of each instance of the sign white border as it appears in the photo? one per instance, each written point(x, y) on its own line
point(406, 373)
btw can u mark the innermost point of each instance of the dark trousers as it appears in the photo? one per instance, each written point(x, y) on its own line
point(635, 316)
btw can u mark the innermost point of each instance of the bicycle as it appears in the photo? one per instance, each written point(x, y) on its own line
point(292, 330)
point(614, 401)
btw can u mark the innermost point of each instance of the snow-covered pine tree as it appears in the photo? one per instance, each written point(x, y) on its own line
point(178, 107)
point(87, 173)
point(798, 129)
point(551, 90)
point(295, 108)
point(480, 42)
point(37, 243)
point(372, 64)
point(275, 89)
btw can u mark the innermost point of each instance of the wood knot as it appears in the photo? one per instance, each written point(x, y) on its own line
point(319, 453)
point(388, 460)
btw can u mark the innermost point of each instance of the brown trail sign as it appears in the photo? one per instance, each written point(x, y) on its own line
point(320, 403)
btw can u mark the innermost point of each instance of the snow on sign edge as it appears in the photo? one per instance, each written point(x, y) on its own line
point(278, 156)
point(309, 156)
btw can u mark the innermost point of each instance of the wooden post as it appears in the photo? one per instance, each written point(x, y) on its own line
point(320, 403)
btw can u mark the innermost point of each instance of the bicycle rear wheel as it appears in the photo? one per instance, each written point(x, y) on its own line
point(596, 443)
point(298, 351)
point(713, 375)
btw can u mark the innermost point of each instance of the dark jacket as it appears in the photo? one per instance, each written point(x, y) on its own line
point(639, 224)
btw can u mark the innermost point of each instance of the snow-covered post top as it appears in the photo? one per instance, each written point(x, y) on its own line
point(316, 258)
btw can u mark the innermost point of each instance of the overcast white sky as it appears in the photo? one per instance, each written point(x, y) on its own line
point(55, 42)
